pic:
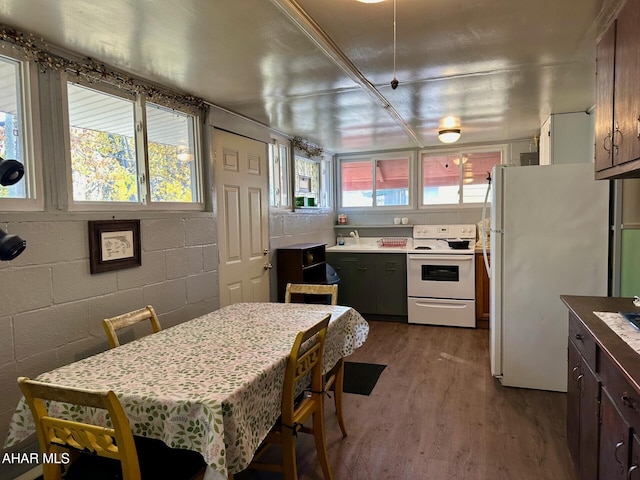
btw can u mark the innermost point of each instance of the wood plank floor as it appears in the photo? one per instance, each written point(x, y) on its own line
point(437, 414)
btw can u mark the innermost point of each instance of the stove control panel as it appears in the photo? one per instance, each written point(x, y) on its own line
point(450, 232)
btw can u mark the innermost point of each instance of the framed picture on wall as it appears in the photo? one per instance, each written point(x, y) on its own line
point(114, 244)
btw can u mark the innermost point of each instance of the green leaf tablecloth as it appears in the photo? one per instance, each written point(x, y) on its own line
point(211, 384)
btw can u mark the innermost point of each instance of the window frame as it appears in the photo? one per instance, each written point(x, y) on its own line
point(374, 158)
point(31, 143)
point(141, 148)
point(280, 170)
point(460, 151)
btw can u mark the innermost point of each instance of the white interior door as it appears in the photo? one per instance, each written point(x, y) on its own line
point(242, 206)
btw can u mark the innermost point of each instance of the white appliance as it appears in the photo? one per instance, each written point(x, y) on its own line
point(441, 279)
point(549, 237)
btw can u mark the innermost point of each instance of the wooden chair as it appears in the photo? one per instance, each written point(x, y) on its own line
point(311, 289)
point(111, 325)
point(334, 379)
point(97, 452)
point(296, 411)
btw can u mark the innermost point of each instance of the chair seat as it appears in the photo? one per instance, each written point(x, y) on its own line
point(156, 459)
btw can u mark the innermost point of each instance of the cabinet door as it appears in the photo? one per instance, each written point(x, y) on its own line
point(346, 271)
point(483, 289)
point(614, 441)
point(626, 110)
point(392, 284)
point(364, 287)
point(357, 285)
point(605, 57)
point(589, 422)
point(634, 467)
point(573, 403)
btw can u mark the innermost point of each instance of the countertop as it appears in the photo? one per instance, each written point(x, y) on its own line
point(368, 245)
point(609, 341)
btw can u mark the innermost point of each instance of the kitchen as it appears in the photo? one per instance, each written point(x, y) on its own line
point(187, 246)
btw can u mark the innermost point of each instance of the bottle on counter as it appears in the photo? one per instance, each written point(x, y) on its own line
point(340, 240)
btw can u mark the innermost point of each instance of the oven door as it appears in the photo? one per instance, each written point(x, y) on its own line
point(441, 276)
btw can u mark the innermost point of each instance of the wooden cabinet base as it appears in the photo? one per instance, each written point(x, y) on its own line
point(483, 289)
point(603, 397)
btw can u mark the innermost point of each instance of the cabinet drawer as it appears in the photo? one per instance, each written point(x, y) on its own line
point(625, 397)
point(583, 340)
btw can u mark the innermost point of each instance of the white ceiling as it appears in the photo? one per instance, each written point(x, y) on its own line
point(321, 69)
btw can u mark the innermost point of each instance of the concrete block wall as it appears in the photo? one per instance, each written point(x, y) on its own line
point(289, 228)
point(51, 306)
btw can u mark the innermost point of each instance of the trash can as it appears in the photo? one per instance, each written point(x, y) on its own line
point(332, 275)
point(332, 279)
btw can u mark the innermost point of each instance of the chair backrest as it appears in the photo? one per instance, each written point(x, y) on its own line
point(53, 432)
point(311, 289)
point(111, 325)
point(304, 359)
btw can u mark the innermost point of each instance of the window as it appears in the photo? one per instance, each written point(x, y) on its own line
point(457, 177)
point(109, 161)
point(381, 181)
point(279, 178)
point(311, 182)
point(16, 133)
point(173, 170)
point(104, 161)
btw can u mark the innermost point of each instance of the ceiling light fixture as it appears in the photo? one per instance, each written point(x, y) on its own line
point(449, 135)
point(394, 82)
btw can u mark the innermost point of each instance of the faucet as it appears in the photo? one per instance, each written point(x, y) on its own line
point(355, 235)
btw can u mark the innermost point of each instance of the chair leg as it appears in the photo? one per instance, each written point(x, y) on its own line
point(321, 445)
point(337, 395)
point(51, 471)
point(290, 469)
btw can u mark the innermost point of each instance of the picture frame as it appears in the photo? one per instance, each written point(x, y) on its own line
point(113, 245)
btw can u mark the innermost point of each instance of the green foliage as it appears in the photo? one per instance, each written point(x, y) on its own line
point(104, 168)
point(170, 178)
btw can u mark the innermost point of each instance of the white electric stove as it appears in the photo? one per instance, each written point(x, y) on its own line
point(441, 279)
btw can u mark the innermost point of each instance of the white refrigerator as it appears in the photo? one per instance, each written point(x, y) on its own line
point(549, 237)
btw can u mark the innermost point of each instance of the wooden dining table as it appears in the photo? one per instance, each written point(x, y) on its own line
point(211, 384)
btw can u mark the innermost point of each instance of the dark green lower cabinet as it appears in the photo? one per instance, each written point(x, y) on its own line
point(373, 283)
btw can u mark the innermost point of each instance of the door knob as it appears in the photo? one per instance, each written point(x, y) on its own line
point(268, 266)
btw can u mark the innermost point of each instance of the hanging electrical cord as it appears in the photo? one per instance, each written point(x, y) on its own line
point(394, 82)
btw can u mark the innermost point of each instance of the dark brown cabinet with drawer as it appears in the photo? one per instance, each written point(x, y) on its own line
point(301, 263)
point(583, 402)
point(603, 393)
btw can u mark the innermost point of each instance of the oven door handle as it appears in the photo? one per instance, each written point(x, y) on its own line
point(431, 258)
point(440, 304)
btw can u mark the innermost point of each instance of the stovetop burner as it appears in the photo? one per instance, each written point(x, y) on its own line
point(436, 238)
